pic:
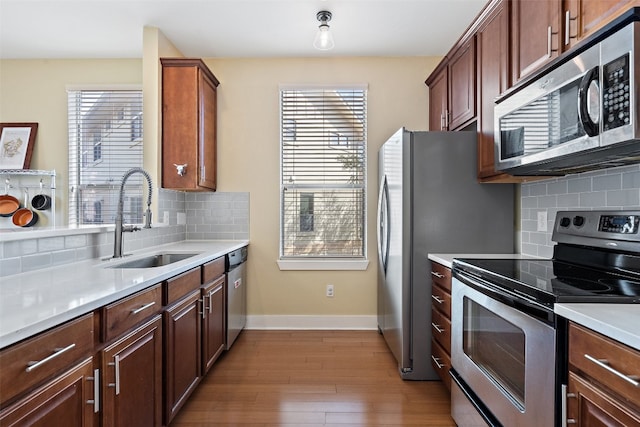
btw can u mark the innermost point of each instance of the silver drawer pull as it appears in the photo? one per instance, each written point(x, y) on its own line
point(437, 299)
point(96, 390)
point(116, 365)
point(604, 364)
point(437, 328)
point(58, 351)
point(436, 360)
point(438, 275)
point(144, 307)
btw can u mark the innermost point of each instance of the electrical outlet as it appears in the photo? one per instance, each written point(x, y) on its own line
point(165, 218)
point(542, 221)
point(330, 291)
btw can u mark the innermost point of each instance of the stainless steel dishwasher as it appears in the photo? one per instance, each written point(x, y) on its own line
point(236, 270)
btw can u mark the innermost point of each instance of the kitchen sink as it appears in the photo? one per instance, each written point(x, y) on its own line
point(157, 260)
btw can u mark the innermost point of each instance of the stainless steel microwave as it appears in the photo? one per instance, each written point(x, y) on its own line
point(581, 115)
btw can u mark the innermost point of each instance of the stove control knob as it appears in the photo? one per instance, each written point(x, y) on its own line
point(565, 222)
point(578, 221)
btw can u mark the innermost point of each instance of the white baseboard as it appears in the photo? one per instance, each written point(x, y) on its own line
point(312, 322)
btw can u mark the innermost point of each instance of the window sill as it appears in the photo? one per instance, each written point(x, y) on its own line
point(323, 264)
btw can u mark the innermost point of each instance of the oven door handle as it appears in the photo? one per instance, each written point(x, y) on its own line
point(479, 282)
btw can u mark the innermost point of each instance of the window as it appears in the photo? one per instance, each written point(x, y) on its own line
point(105, 130)
point(323, 170)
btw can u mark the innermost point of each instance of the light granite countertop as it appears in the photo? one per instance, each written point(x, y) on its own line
point(36, 301)
point(620, 322)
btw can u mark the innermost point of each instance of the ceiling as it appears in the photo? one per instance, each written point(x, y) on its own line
point(231, 28)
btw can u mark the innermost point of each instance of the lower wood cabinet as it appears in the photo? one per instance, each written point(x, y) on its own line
point(132, 378)
point(213, 326)
point(182, 351)
point(66, 401)
point(155, 345)
point(602, 389)
point(441, 321)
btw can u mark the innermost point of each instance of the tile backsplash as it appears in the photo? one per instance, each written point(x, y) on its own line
point(617, 188)
point(192, 216)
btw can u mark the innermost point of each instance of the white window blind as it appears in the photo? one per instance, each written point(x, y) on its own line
point(323, 170)
point(105, 140)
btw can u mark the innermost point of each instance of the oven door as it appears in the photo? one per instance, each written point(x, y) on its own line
point(504, 355)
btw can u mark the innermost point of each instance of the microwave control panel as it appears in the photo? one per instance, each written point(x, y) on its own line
point(616, 93)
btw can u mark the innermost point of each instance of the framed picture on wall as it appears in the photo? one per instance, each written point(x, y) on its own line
point(16, 144)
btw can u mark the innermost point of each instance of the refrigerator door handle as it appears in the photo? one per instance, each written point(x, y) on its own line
point(383, 223)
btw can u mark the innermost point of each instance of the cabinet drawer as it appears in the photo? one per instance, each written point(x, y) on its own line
point(123, 315)
point(606, 361)
point(441, 362)
point(441, 299)
point(180, 285)
point(29, 363)
point(441, 275)
point(441, 330)
point(212, 270)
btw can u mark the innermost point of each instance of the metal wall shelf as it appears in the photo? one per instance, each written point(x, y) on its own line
point(29, 180)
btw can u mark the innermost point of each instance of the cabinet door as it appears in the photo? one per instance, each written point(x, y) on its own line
point(588, 405)
point(66, 401)
point(182, 351)
point(213, 331)
point(132, 378)
point(188, 124)
point(438, 101)
point(462, 86)
point(536, 31)
point(493, 79)
point(207, 143)
point(582, 18)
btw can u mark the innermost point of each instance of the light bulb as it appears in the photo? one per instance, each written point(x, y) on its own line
point(324, 39)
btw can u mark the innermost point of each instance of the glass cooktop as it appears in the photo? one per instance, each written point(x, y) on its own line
point(550, 281)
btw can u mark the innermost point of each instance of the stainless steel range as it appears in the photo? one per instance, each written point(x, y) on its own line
point(509, 349)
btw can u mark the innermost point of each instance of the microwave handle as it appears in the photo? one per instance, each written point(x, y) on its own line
point(590, 127)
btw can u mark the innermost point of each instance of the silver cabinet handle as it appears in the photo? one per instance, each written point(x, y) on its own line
point(58, 351)
point(437, 299)
point(442, 121)
point(210, 306)
point(202, 310)
point(549, 41)
point(96, 390)
point(604, 364)
point(567, 20)
point(116, 364)
point(436, 360)
point(144, 307)
point(446, 119)
point(437, 328)
point(438, 275)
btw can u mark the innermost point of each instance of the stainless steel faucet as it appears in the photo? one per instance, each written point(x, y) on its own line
point(117, 247)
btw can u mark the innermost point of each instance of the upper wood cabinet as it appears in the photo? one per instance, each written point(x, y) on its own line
point(581, 18)
point(189, 110)
point(492, 40)
point(535, 40)
point(438, 102)
point(452, 87)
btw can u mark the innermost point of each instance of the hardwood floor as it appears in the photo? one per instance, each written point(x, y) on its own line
point(312, 378)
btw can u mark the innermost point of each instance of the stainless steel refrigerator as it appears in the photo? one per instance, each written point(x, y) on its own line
point(430, 202)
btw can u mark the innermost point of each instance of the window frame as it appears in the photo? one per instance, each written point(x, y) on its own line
point(321, 263)
point(85, 158)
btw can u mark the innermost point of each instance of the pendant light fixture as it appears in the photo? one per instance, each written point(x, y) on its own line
point(324, 39)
